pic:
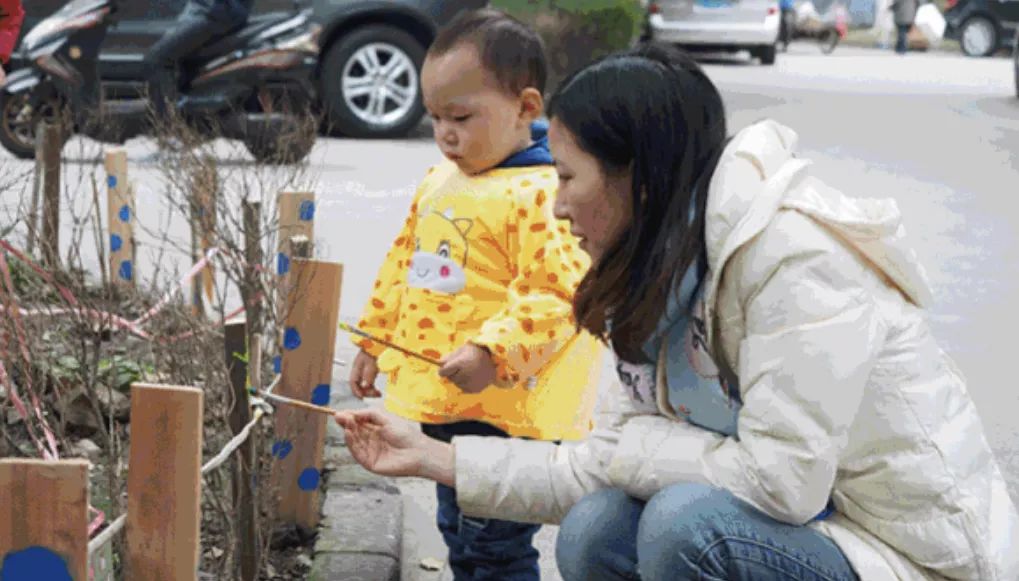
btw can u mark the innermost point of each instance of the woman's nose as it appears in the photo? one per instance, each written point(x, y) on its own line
point(559, 209)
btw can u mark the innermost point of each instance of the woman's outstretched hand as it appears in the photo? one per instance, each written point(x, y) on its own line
point(392, 446)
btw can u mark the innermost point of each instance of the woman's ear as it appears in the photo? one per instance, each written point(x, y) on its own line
point(532, 104)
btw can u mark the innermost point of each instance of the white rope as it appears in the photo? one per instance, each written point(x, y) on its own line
point(233, 444)
point(107, 534)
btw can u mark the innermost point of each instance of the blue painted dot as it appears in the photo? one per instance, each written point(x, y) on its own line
point(116, 242)
point(307, 211)
point(308, 480)
point(126, 270)
point(282, 448)
point(125, 213)
point(320, 395)
point(111, 181)
point(291, 339)
point(277, 364)
point(32, 564)
point(282, 264)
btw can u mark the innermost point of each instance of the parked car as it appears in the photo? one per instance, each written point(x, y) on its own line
point(1015, 63)
point(982, 26)
point(717, 25)
point(368, 69)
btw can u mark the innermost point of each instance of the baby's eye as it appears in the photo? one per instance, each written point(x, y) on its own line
point(443, 250)
point(461, 118)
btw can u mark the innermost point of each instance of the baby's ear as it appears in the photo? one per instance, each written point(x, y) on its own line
point(532, 104)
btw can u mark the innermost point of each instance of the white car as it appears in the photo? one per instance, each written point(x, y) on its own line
point(716, 25)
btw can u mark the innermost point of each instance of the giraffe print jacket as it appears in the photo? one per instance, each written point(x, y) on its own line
point(481, 259)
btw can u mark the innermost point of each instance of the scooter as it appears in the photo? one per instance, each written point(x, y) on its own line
point(827, 30)
point(254, 85)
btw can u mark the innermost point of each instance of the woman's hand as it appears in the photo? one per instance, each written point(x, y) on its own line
point(392, 446)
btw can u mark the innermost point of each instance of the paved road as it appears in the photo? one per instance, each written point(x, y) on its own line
point(939, 133)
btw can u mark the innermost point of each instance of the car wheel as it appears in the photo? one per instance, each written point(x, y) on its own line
point(370, 83)
point(978, 37)
point(766, 53)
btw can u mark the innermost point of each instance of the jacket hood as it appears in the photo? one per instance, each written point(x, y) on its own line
point(759, 175)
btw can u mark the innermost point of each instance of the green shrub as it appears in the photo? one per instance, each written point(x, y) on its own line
point(577, 32)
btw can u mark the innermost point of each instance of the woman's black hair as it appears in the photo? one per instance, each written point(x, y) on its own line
point(651, 110)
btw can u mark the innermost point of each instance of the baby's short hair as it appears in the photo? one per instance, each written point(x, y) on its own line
point(509, 49)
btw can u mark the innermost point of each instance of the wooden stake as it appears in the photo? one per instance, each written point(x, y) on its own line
point(246, 461)
point(164, 483)
point(51, 144)
point(120, 209)
point(43, 518)
point(33, 212)
point(296, 220)
point(308, 346)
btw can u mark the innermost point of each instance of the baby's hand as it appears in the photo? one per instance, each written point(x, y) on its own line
point(470, 367)
point(362, 376)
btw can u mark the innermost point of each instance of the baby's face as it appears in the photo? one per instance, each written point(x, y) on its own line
point(477, 124)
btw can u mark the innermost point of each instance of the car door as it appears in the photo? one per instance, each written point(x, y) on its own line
point(139, 24)
point(1007, 12)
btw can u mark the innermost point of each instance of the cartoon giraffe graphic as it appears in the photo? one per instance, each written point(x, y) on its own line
point(440, 254)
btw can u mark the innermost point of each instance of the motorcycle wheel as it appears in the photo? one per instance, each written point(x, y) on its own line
point(828, 40)
point(18, 123)
point(280, 152)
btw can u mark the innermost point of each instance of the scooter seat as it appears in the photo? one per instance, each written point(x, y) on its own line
point(239, 39)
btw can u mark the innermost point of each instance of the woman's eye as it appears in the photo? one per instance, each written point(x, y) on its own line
point(563, 178)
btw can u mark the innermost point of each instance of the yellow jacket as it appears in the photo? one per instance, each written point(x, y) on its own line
point(483, 260)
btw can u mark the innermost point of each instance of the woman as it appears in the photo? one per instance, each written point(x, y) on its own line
point(784, 414)
point(905, 14)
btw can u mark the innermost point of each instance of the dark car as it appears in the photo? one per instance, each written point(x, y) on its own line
point(982, 26)
point(368, 72)
point(1015, 63)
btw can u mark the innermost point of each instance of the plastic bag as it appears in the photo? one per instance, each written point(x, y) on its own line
point(930, 23)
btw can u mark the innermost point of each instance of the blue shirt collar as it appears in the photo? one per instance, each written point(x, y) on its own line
point(537, 153)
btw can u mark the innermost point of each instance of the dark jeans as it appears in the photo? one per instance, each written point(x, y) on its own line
point(191, 31)
point(902, 41)
point(786, 24)
point(482, 549)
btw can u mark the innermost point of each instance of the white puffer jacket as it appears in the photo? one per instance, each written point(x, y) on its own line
point(816, 307)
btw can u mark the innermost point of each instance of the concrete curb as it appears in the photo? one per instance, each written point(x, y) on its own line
point(360, 536)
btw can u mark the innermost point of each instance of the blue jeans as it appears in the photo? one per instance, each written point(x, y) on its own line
point(902, 38)
point(689, 531)
point(482, 549)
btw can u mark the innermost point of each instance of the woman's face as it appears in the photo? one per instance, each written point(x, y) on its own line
point(596, 204)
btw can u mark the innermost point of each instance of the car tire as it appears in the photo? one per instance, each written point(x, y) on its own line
point(353, 112)
point(978, 36)
point(766, 54)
